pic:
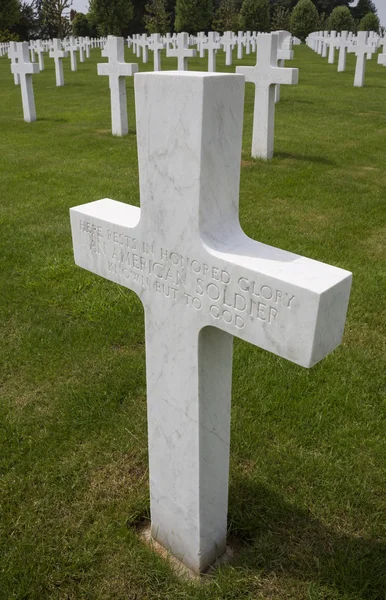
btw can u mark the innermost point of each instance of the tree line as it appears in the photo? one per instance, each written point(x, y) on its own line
point(55, 18)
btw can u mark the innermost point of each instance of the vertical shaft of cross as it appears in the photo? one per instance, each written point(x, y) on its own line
point(264, 123)
point(119, 119)
point(28, 99)
point(188, 374)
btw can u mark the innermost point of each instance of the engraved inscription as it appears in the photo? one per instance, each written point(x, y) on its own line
point(198, 285)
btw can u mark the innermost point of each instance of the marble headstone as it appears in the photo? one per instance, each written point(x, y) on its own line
point(202, 281)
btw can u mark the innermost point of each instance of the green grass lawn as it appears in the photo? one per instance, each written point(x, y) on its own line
point(307, 512)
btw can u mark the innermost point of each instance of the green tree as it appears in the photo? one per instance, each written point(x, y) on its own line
point(304, 19)
point(341, 19)
point(226, 17)
point(157, 18)
point(111, 17)
point(254, 15)
point(363, 8)
point(27, 26)
point(54, 19)
point(9, 14)
point(323, 22)
point(81, 26)
point(370, 22)
point(280, 18)
point(193, 15)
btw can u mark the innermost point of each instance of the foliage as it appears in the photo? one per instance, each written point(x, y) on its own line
point(193, 15)
point(54, 19)
point(157, 18)
point(111, 17)
point(8, 36)
point(363, 8)
point(81, 26)
point(281, 17)
point(9, 14)
point(254, 15)
point(370, 22)
point(226, 17)
point(323, 22)
point(304, 19)
point(341, 19)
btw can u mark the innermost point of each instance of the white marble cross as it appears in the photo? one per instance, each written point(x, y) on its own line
point(284, 53)
point(157, 45)
point(72, 48)
point(39, 49)
point(58, 54)
point(265, 74)
point(116, 69)
point(201, 281)
point(362, 50)
point(211, 46)
point(325, 44)
point(87, 44)
point(227, 42)
point(12, 55)
point(81, 48)
point(332, 46)
point(182, 52)
point(145, 48)
point(240, 41)
point(25, 69)
point(342, 43)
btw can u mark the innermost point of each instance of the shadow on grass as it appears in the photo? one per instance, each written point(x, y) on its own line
point(314, 159)
point(272, 535)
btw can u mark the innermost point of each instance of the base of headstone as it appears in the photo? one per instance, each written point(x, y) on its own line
point(178, 567)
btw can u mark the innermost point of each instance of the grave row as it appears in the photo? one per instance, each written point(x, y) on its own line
point(364, 45)
point(267, 75)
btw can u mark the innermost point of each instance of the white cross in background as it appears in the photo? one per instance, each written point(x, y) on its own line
point(181, 52)
point(264, 75)
point(12, 55)
point(361, 49)
point(240, 41)
point(39, 49)
point(342, 43)
point(116, 69)
point(211, 46)
point(228, 43)
point(201, 281)
point(157, 45)
point(25, 69)
point(145, 47)
point(58, 54)
point(284, 53)
point(73, 48)
point(332, 45)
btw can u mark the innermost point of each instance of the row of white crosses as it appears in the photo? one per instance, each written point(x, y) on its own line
point(179, 46)
point(364, 45)
point(265, 75)
point(202, 281)
point(4, 48)
point(23, 67)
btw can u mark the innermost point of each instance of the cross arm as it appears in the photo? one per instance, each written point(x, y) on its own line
point(290, 305)
point(120, 69)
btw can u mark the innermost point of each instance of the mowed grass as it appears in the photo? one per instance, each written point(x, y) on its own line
point(307, 510)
